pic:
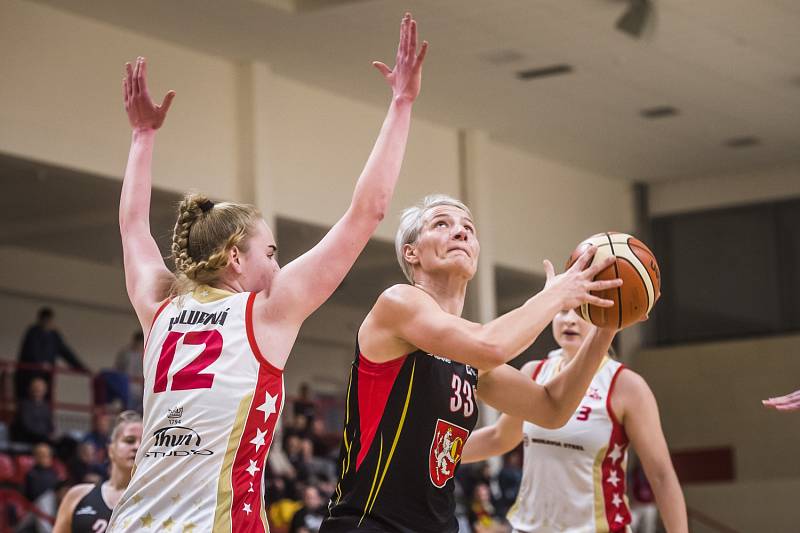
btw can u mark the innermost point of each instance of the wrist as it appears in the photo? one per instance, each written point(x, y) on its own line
point(142, 133)
point(402, 101)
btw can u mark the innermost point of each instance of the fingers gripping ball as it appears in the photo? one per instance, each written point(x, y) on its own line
point(641, 280)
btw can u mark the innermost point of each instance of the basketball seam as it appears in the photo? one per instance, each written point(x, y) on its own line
point(640, 277)
point(616, 274)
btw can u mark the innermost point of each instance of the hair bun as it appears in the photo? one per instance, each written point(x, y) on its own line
point(206, 206)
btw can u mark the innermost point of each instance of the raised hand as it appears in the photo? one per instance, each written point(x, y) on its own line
point(143, 114)
point(405, 78)
point(790, 402)
point(576, 284)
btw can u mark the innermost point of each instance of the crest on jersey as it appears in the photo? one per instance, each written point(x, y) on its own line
point(448, 441)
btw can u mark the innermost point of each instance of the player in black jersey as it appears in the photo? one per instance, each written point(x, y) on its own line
point(86, 508)
point(419, 369)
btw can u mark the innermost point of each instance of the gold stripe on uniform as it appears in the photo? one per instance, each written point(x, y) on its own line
point(600, 520)
point(397, 434)
point(222, 513)
point(347, 447)
point(374, 479)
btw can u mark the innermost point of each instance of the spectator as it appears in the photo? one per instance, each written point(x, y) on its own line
point(129, 363)
point(508, 480)
point(304, 405)
point(99, 436)
point(84, 468)
point(40, 347)
point(41, 483)
point(482, 514)
point(309, 518)
point(34, 419)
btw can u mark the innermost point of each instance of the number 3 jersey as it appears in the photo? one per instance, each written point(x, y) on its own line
point(573, 478)
point(406, 422)
point(211, 403)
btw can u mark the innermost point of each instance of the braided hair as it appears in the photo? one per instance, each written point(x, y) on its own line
point(204, 235)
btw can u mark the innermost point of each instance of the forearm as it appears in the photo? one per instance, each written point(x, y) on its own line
point(134, 205)
point(376, 184)
point(482, 444)
point(670, 501)
point(516, 330)
point(568, 388)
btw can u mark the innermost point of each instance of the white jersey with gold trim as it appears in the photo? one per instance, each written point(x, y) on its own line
point(211, 403)
point(573, 478)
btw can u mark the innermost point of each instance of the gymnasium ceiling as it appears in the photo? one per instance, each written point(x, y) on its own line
point(731, 68)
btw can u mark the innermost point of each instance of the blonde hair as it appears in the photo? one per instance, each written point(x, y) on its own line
point(204, 235)
point(411, 222)
point(123, 419)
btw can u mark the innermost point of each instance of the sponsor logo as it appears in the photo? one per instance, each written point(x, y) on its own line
point(440, 358)
point(448, 441)
point(593, 393)
point(88, 510)
point(176, 441)
point(190, 317)
point(472, 372)
point(174, 415)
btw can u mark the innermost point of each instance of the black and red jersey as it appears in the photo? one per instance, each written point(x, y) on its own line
point(406, 422)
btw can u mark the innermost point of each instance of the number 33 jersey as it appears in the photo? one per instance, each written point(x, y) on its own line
point(573, 478)
point(406, 422)
point(211, 403)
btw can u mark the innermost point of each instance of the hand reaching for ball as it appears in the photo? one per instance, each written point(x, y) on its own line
point(575, 286)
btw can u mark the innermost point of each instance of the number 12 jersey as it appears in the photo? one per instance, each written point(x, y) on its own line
point(211, 403)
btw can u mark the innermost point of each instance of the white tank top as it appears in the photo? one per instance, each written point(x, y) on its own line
point(573, 478)
point(211, 402)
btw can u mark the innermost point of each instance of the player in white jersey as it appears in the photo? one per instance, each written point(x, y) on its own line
point(573, 477)
point(221, 331)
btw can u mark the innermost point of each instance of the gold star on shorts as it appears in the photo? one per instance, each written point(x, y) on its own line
point(136, 498)
point(175, 499)
point(168, 523)
point(147, 520)
point(188, 527)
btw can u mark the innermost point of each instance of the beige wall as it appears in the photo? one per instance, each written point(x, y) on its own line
point(543, 208)
point(708, 192)
point(710, 395)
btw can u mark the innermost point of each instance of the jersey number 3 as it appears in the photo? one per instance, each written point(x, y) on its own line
point(190, 376)
point(456, 401)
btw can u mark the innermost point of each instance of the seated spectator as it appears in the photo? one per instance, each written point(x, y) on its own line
point(41, 346)
point(40, 486)
point(309, 518)
point(84, 468)
point(508, 480)
point(99, 435)
point(303, 404)
point(482, 514)
point(34, 419)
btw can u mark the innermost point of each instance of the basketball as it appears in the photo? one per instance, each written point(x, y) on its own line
point(641, 280)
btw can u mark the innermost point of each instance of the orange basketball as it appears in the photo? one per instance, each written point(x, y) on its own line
point(641, 280)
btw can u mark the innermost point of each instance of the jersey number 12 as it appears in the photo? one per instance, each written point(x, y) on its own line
point(191, 376)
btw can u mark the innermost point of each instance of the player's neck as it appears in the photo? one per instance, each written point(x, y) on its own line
point(448, 291)
point(119, 478)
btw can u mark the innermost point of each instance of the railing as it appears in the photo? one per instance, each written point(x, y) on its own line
point(712, 523)
point(8, 496)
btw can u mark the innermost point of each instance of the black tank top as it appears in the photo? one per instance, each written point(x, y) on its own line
point(91, 515)
point(406, 422)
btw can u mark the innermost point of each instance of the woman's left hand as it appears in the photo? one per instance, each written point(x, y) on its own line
point(406, 77)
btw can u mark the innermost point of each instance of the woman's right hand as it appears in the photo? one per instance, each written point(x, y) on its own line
point(143, 114)
point(575, 286)
point(406, 77)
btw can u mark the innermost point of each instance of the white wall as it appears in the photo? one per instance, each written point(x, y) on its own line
point(708, 192)
point(543, 208)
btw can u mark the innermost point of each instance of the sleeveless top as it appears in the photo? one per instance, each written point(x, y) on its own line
point(406, 422)
point(573, 478)
point(91, 515)
point(211, 402)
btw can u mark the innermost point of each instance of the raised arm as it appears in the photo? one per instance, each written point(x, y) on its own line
point(407, 317)
point(790, 402)
point(147, 279)
point(643, 427)
point(550, 406)
point(305, 283)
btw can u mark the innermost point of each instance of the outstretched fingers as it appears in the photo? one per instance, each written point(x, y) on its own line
point(599, 266)
point(143, 75)
point(382, 68)
point(167, 101)
point(421, 56)
point(549, 271)
point(584, 259)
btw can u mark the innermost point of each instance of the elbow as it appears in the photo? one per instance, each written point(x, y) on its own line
point(373, 210)
point(491, 355)
point(553, 422)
